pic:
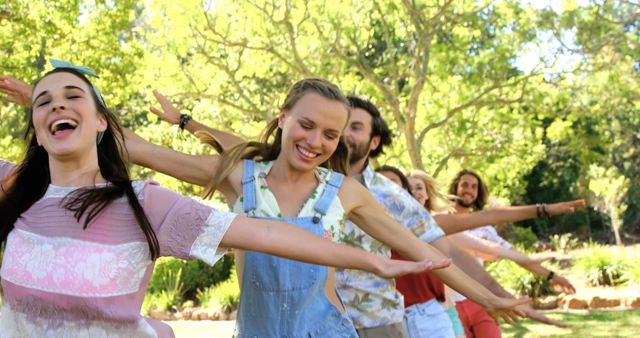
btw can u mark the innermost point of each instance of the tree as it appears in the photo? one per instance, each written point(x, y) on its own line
point(442, 71)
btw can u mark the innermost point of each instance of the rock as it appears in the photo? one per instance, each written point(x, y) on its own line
point(600, 303)
point(546, 303)
point(186, 313)
point(213, 315)
point(199, 315)
point(632, 302)
point(187, 304)
point(542, 246)
point(233, 315)
point(571, 302)
point(159, 315)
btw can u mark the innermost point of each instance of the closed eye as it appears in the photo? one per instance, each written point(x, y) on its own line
point(331, 136)
point(42, 103)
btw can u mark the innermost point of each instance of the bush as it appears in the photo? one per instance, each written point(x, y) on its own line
point(521, 281)
point(521, 237)
point(225, 294)
point(195, 274)
point(602, 266)
point(170, 296)
point(632, 275)
point(564, 243)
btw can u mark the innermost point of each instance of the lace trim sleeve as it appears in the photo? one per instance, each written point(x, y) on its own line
point(207, 246)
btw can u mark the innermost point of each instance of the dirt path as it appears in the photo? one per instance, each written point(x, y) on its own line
point(203, 329)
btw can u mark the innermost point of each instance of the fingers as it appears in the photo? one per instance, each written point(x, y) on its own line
point(579, 203)
point(7, 89)
point(506, 318)
point(156, 111)
point(539, 317)
point(441, 264)
point(164, 102)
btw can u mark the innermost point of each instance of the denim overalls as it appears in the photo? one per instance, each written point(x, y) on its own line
point(285, 298)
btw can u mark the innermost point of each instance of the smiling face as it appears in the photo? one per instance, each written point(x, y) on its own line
point(311, 130)
point(358, 135)
point(418, 189)
point(467, 190)
point(64, 115)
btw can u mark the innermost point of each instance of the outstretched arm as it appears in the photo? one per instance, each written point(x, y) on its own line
point(364, 210)
point(453, 223)
point(488, 250)
point(286, 240)
point(556, 279)
point(171, 114)
point(189, 168)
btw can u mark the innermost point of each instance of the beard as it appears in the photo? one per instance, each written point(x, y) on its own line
point(358, 151)
point(464, 204)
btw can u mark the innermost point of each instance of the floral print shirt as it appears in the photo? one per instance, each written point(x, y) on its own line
point(370, 300)
point(267, 205)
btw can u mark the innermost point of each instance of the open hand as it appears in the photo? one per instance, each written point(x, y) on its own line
point(396, 268)
point(16, 91)
point(565, 207)
point(507, 308)
point(564, 283)
point(539, 317)
point(169, 112)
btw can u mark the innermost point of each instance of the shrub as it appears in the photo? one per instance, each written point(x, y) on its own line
point(225, 294)
point(169, 294)
point(521, 281)
point(195, 274)
point(632, 275)
point(602, 266)
point(565, 242)
point(521, 237)
point(207, 299)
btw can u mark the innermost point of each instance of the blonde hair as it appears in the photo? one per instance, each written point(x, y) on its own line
point(437, 201)
point(269, 146)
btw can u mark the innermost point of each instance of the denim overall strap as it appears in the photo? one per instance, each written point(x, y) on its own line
point(329, 193)
point(248, 187)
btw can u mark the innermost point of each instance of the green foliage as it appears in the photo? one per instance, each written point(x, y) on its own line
point(587, 324)
point(564, 242)
point(168, 293)
point(225, 294)
point(195, 274)
point(523, 238)
point(632, 275)
point(602, 266)
point(523, 282)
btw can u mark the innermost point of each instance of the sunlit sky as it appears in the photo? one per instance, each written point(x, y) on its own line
point(549, 47)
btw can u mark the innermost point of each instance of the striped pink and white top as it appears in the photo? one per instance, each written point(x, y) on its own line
point(59, 280)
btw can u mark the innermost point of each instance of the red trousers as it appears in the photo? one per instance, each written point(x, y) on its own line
point(476, 321)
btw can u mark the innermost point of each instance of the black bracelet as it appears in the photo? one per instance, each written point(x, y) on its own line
point(184, 119)
point(550, 275)
point(538, 211)
point(544, 211)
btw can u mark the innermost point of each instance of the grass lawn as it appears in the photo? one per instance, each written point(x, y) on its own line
point(581, 324)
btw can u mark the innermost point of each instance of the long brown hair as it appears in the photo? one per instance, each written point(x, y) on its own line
point(483, 191)
point(29, 182)
point(270, 144)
